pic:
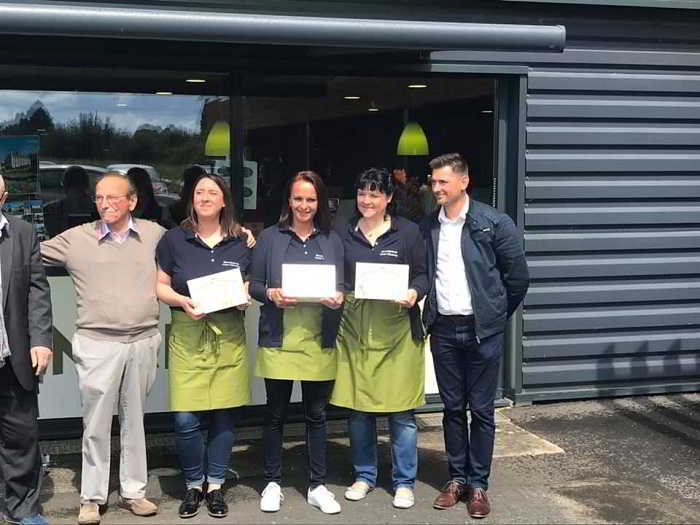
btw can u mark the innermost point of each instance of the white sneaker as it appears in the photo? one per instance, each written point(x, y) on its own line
point(271, 497)
point(357, 491)
point(403, 498)
point(324, 499)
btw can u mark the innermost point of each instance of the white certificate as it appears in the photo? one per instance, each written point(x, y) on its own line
point(218, 291)
point(308, 281)
point(388, 282)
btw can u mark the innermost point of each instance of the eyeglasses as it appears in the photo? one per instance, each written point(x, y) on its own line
point(110, 199)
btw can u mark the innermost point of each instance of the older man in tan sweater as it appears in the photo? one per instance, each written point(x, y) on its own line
point(116, 341)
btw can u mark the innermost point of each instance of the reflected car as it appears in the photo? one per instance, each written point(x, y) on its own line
point(159, 186)
point(51, 179)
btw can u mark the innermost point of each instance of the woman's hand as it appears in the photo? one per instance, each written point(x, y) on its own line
point(282, 301)
point(190, 308)
point(333, 302)
point(250, 238)
point(410, 300)
point(247, 304)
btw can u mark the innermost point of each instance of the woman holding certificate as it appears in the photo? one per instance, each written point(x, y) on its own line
point(207, 364)
point(381, 364)
point(297, 273)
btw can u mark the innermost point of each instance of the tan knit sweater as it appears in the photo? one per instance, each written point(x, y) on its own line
point(115, 284)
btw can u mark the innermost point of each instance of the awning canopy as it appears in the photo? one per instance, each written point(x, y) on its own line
point(203, 26)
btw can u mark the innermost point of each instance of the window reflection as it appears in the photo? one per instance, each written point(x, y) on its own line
point(155, 140)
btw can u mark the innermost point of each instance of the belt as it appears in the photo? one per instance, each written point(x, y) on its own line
point(457, 320)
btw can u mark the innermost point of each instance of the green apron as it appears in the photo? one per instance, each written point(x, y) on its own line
point(380, 367)
point(208, 362)
point(300, 356)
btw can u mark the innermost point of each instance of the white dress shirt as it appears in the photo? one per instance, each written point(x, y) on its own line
point(453, 295)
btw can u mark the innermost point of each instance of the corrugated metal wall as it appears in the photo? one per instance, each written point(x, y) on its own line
point(612, 232)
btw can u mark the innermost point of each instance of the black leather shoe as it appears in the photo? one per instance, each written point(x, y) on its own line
point(190, 503)
point(215, 503)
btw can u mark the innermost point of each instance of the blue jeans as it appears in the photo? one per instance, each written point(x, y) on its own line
point(404, 451)
point(193, 453)
point(467, 376)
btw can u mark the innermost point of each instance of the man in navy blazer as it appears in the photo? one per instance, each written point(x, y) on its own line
point(478, 276)
point(25, 352)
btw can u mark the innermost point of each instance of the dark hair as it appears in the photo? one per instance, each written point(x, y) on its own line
point(189, 177)
point(227, 215)
point(144, 186)
point(76, 177)
point(453, 160)
point(375, 179)
point(322, 219)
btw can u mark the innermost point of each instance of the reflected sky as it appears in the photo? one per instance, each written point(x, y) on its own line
point(125, 111)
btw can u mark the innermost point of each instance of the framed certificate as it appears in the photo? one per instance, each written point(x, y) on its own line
point(218, 291)
point(387, 282)
point(308, 282)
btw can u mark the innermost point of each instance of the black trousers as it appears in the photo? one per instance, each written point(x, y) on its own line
point(315, 396)
point(19, 447)
point(467, 376)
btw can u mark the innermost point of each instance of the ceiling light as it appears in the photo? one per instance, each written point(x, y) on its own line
point(372, 109)
point(412, 140)
point(417, 86)
point(351, 97)
point(122, 105)
point(164, 92)
point(195, 80)
point(487, 111)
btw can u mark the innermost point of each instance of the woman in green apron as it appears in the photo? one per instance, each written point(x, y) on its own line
point(208, 361)
point(296, 339)
point(381, 364)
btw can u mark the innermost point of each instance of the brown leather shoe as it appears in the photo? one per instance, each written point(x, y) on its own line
point(478, 504)
point(450, 494)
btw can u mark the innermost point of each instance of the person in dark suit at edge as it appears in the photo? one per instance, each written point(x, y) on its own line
point(25, 352)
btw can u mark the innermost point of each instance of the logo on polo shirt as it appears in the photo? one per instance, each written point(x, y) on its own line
point(389, 253)
point(232, 264)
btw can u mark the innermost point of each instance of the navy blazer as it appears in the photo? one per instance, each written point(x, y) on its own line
point(494, 262)
point(266, 272)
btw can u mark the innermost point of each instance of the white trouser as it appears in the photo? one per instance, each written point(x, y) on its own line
point(111, 373)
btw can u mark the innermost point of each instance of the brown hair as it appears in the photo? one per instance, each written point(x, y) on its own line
point(453, 160)
point(322, 219)
point(227, 215)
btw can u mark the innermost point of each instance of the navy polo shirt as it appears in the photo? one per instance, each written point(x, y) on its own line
point(402, 243)
point(184, 256)
point(303, 252)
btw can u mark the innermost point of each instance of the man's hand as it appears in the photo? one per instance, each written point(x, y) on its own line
point(410, 300)
point(41, 356)
point(333, 302)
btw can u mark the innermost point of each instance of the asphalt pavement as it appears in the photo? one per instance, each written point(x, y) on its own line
point(625, 460)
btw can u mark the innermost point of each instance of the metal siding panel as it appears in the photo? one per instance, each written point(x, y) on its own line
point(595, 107)
point(620, 369)
point(575, 241)
point(612, 161)
point(539, 215)
point(597, 81)
point(610, 318)
point(602, 266)
point(566, 347)
point(612, 231)
point(613, 292)
point(612, 187)
point(608, 135)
